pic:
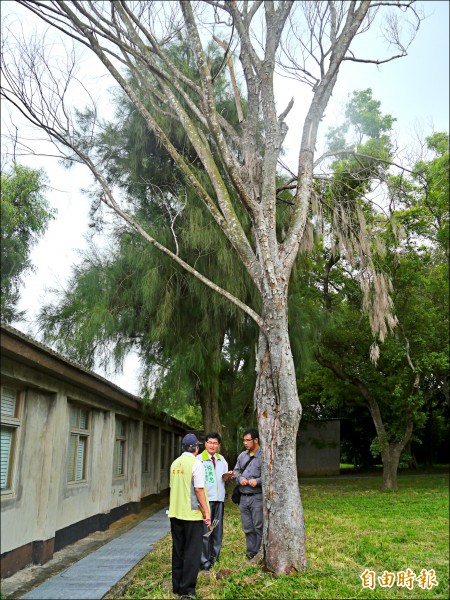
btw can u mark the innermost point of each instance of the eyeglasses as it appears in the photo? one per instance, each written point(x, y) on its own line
point(248, 440)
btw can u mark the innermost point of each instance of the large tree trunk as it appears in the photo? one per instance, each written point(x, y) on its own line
point(209, 402)
point(279, 412)
point(208, 387)
point(390, 451)
point(390, 457)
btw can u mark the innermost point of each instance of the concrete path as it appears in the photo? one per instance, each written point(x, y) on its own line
point(95, 574)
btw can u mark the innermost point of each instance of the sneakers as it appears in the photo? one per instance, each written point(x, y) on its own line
point(250, 555)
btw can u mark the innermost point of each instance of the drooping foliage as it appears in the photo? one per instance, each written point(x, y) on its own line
point(193, 345)
point(407, 385)
point(195, 348)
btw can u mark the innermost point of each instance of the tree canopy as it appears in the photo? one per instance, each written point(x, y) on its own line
point(25, 214)
point(409, 375)
point(187, 337)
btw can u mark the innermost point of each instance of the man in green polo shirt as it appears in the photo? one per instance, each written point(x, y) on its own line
point(187, 492)
point(216, 474)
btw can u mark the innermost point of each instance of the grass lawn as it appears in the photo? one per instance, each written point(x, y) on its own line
point(351, 527)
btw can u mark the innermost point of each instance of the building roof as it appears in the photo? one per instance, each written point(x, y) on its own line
point(30, 352)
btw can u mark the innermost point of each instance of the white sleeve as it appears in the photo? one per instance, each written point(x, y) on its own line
point(198, 473)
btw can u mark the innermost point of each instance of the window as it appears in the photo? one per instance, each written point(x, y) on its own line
point(10, 424)
point(166, 449)
point(163, 449)
point(78, 444)
point(149, 446)
point(120, 448)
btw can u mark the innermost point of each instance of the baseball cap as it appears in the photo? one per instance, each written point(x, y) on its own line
point(190, 440)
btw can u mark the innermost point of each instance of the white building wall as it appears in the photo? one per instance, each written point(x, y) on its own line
point(43, 502)
point(29, 513)
point(78, 501)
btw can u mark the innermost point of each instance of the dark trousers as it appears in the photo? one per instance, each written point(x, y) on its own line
point(213, 543)
point(186, 552)
point(252, 520)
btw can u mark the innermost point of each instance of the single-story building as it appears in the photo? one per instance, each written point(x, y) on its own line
point(77, 452)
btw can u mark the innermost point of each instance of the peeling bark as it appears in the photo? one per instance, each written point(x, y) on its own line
point(279, 413)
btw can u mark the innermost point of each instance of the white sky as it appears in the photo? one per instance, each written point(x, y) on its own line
point(414, 89)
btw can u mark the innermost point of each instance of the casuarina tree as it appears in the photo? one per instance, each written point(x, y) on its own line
point(310, 41)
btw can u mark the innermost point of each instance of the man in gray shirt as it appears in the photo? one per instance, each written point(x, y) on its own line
point(248, 474)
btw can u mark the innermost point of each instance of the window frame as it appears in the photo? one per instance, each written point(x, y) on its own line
point(166, 449)
point(14, 423)
point(120, 440)
point(78, 432)
point(146, 443)
point(149, 448)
